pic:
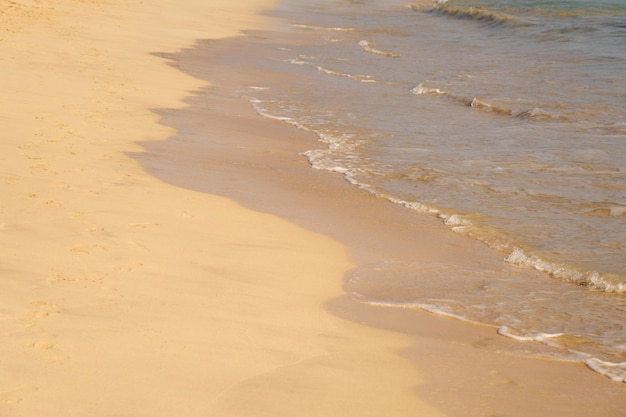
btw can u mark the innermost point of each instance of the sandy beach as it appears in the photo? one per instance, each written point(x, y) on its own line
point(129, 289)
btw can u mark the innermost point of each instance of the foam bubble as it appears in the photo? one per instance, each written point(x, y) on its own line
point(454, 220)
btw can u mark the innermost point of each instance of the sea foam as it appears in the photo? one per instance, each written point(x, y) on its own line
point(592, 280)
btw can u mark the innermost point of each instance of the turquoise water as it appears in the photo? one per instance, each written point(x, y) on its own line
point(504, 119)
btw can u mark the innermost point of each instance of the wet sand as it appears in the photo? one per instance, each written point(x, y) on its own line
point(223, 147)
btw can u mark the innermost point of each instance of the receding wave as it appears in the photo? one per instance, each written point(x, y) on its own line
point(549, 323)
point(614, 371)
point(534, 337)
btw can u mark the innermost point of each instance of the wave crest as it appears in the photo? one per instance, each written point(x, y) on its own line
point(367, 47)
point(478, 14)
point(423, 89)
point(592, 280)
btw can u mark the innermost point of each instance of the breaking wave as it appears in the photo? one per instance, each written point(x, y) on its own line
point(478, 14)
point(592, 279)
point(479, 103)
point(367, 47)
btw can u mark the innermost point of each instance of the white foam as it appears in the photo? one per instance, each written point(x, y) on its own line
point(412, 205)
point(368, 48)
point(422, 89)
point(614, 371)
point(479, 103)
point(442, 312)
point(333, 29)
point(257, 106)
point(297, 61)
point(360, 78)
point(454, 220)
point(535, 113)
point(534, 337)
point(589, 279)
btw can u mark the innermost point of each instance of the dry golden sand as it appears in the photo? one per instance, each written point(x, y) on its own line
point(121, 295)
point(125, 296)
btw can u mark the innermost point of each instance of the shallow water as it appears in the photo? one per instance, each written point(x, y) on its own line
point(503, 118)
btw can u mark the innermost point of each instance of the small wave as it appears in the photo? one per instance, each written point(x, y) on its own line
point(614, 371)
point(592, 280)
point(477, 14)
point(425, 8)
point(426, 88)
point(367, 47)
point(411, 205)
point(479, 103)
point(423, 89)
point(536, 114)
point(455, 222)
point(360, 78)
point(298, 61)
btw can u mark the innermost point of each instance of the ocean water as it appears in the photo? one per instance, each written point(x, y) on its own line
point(506, 119)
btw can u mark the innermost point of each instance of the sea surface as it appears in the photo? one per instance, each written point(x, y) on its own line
point(506, 119)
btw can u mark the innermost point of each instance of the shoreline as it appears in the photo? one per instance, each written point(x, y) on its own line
point(125, 295)
point(258, 164)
